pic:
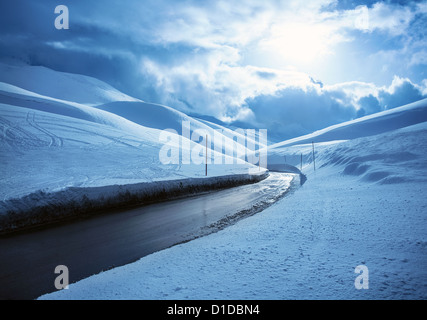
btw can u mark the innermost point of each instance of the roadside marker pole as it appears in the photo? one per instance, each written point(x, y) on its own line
point(301, 162)
point(314, 159)
point(206, 170)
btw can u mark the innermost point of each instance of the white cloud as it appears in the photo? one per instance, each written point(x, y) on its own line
point(210, 85)
point(354, 90)
point(208, 42)
point(391, 18)
point(419, 58)
point(384, 17)
point(424, 87)
point(397, 83)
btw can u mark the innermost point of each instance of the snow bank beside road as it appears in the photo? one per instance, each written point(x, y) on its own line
point(40, 208)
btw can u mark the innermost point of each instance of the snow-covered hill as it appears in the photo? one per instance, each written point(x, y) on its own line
point(54, 138)
point(364, 205)
point(163, 117)
point(377, 123)
point(61, 85)
point(331, 141)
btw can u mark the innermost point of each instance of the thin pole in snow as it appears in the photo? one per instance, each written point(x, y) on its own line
point(206, 170)
point(301, 162)
point(314, 159)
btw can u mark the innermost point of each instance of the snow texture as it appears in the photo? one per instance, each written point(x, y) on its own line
point(364, 205)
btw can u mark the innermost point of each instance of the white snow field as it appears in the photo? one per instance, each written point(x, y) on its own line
point(365, 205)
point(61, 85)
point(59, 147)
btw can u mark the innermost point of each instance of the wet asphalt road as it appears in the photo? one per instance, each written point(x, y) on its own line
point(89, 246)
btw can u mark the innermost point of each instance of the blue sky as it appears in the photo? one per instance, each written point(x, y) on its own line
point(295, 66)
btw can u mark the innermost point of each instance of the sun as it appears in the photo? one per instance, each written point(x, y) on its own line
point(298, 43)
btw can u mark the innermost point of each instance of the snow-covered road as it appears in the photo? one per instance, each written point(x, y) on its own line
point(90, 246)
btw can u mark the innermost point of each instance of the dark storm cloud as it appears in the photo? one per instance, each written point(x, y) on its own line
point(368, 105)
point(401, 93)
point(92, 46)
point(292, 112)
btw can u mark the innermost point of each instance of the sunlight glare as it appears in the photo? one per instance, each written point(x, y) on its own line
point(299, 43)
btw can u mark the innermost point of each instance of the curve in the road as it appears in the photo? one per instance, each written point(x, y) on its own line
point(89, 246)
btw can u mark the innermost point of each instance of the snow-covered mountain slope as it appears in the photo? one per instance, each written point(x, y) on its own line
point(61, 85)
point(49, 152)
point(299, 151)
point(41, 83)
point(400, 151)
point(163, 117)
point(15, 96)
point(364, 205)
point(46, 151)
point(377, 123)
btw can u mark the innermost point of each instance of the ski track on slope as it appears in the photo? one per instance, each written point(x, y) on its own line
point(55, 141)
point(118, 140)
point(15, 136)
